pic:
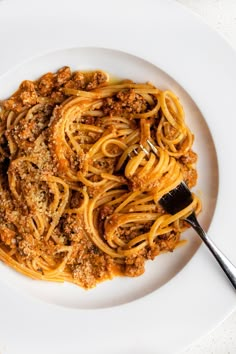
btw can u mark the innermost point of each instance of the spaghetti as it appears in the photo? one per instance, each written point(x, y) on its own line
point(79, 198)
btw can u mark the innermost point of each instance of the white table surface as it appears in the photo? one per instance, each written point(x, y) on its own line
point(221, 15)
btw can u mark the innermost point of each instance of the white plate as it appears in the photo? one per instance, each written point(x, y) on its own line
point(165, 267)
point(178, 306)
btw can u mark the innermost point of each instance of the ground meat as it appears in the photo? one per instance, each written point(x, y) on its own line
point(7, 236)
point(75, 199)
point(26, 96)
point(128, 234)
point(96, 79)
point(28, 93)
point(189, 175)
point(51, 86)
point(4, 149)
point(106, 164)
point(77, 82)
point(71, 227)
point(28, 247)
point(46, 84)
point(105, 211)
point(134, 266)
point(190, 158)
point(30, 126)
point(92, 268)
point(88, 120)
point(86, 81)
point(152, 252)
point(57, 97)
point(63, 75)
point(170, 133)
point(168, 241)
point(75, 162)
point(89, 265)
point(136, 183)
point(124, 103)
point(13, 104)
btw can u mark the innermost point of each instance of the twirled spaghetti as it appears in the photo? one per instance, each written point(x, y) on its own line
point(79, 198)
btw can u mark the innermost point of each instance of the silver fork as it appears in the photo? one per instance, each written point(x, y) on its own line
point(178, 199)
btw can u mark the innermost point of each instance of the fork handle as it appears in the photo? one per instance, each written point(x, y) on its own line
point(226, 265)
